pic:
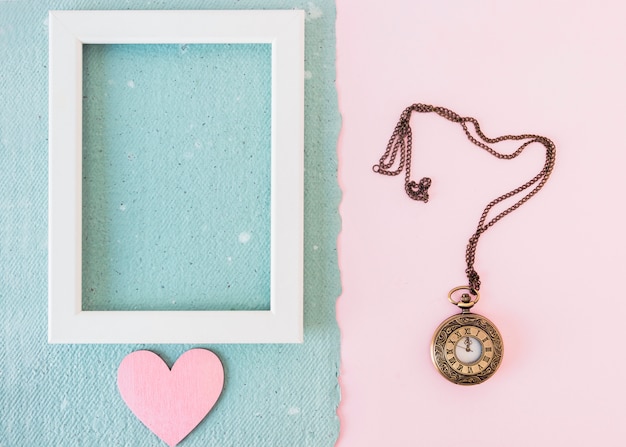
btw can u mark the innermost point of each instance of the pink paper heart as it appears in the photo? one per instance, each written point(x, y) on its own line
point(171, 403)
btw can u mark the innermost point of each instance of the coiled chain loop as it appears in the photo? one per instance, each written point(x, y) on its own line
point(399, 150)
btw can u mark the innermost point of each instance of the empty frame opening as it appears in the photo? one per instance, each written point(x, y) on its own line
point(176, 177)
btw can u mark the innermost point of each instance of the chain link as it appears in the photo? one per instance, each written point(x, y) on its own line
point(401, 143)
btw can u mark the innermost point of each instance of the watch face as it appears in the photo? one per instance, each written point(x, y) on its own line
point(467, 349)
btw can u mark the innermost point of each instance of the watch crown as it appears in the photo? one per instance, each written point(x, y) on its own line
point(467, 300)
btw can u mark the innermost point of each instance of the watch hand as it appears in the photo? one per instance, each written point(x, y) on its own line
point(467, 349)
point(468, 342)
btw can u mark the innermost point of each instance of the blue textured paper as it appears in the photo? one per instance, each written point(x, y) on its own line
point(176, 177)
point(66, 395)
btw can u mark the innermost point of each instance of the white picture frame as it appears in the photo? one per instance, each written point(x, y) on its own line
point(68, 31)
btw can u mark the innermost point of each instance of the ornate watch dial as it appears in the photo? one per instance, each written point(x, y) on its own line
point(467, 349)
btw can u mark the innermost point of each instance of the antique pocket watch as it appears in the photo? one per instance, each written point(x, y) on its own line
point(466, 348)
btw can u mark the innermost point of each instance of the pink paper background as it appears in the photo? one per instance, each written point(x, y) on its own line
point(552, 271)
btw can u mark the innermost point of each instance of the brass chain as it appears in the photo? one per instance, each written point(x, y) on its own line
point(402, 141)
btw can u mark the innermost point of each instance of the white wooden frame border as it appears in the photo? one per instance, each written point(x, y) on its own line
point(69, 30)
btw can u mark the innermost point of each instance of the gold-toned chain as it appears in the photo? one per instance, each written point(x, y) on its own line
point(401, 143)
